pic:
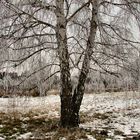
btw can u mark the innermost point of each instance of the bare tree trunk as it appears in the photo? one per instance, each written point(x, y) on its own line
point(66, 87)
point(79, 91)
point(70, 104)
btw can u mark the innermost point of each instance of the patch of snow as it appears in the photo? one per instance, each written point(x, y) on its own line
point(62, 138)
point(1, 126)
point(111, 133)
point(118, 137)
point(123, 110)
point(26, 119)
point(27, 104)
point(90, 137)
point(25, 136)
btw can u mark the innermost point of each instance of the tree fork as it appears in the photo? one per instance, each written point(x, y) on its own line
point(70, 104)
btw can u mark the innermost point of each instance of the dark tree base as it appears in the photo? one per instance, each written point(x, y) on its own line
point(71, 122)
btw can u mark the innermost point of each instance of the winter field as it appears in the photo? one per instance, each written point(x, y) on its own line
point(105, 116)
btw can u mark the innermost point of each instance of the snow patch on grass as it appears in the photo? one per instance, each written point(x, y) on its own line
point(110, 115)
point(25, 136)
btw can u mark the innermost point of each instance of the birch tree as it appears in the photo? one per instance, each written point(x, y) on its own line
point(72, 35)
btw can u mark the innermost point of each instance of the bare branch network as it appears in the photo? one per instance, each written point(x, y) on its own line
point(69, 37)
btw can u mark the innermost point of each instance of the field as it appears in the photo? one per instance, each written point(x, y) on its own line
point(105, 116)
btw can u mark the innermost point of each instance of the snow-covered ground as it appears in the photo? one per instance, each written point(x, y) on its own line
point(115, 114)
point(122, 112)
point(27, 104)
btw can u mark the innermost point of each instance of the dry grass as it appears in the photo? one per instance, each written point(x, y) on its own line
point(41, 118)
point(41, 127)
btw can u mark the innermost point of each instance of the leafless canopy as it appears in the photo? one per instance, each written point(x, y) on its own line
point(69, 36)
